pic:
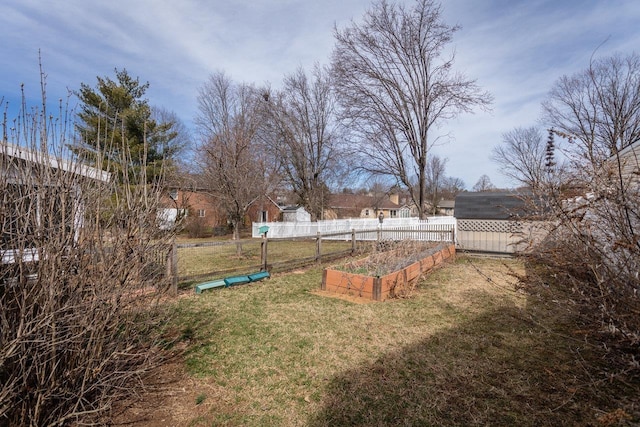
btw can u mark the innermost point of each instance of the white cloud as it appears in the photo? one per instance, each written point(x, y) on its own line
point(516, 50)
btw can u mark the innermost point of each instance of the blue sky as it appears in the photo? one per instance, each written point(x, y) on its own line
point(515, 49)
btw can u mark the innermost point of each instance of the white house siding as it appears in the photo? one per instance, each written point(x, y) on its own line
point(630, 163)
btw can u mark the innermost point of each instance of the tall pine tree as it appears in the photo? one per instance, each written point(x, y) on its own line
point(115, 124)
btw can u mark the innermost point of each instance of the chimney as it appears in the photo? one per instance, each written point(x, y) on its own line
point(394, 198)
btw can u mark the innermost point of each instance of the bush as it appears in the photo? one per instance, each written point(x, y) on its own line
point(591, 256)
point(79, 280)
point(195, 227)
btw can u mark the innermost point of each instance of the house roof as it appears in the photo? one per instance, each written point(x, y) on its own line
point(490, 205)
point(447, 204)
point(53, 161)
point(349, 201)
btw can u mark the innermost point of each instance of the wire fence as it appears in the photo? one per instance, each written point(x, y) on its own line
point(192, 262)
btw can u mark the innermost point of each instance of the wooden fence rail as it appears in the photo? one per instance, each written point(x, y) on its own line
point(190, 262)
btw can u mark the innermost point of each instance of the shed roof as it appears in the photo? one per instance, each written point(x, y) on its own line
point(490, 205)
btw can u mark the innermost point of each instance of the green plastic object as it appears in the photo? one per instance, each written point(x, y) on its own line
point(254, 277)
point(209, 285)
point(236, 280)
point(263, 229)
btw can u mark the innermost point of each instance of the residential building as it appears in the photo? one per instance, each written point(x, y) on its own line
point(30, 181)
point(366, 206)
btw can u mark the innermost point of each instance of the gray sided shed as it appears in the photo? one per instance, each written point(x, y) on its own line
point(494, 222)
point(295, 214)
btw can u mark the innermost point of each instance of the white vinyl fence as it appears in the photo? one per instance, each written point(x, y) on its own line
point(440, 228)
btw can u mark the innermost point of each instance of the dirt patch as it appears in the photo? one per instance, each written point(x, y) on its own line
point(171, 398)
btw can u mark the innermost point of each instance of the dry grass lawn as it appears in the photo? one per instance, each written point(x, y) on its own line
point(466, 349)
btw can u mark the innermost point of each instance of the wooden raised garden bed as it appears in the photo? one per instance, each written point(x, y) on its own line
point(382, 287)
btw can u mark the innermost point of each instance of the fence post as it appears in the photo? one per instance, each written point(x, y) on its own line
point(377, 289)
point(353, 241)
point(172, 267)
point(263, 253)
point(319, 248)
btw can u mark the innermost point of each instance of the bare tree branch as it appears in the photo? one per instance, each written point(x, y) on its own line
point(397, 86)
point(231, 158)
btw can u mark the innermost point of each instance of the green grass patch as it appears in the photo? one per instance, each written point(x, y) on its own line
point(466, 349)
point(229, 255)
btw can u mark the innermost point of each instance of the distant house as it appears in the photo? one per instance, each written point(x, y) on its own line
point(189, 200)
point(446, 207)
point(264, 209)
point(295, 214)
point(195, 205)
point(366, 206)
point(497, 222)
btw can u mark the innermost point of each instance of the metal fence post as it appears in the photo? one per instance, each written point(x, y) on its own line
point(319, 248)
point(263, 255)
point(172, 267)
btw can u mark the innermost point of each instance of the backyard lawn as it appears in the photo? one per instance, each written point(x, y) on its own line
point(466, 348)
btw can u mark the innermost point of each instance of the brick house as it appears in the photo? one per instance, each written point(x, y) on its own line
point(199, 209)
point(263, 209)
point(203, 213)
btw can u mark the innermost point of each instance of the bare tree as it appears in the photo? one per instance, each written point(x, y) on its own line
point(435, 181)
point(397, 85)
point(599, 108)
point(306, 136)
point(236, 170)
point(522, 156)
point(484, 184)
point(452, 187)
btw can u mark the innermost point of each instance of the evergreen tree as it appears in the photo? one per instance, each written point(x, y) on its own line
point(550, 160)
point(115, 122)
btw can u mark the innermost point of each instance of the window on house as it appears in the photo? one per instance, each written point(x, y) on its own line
point(173, 194)
point(202, 213)
point(393, 213)
point(366, 212)
point(264, 216)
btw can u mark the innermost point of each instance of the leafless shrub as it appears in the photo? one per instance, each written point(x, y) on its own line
point(591, 256)
point(82, 269)
point(592, 252)
point(195, 227)
point(391, 256)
